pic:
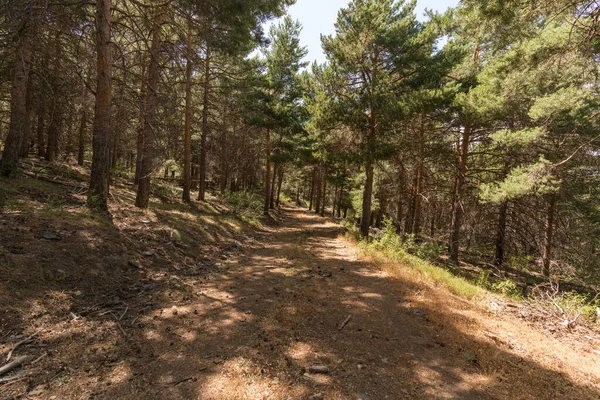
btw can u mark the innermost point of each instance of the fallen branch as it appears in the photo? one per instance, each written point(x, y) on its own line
point(26, 340)
point(13, 364)
point(345, 322)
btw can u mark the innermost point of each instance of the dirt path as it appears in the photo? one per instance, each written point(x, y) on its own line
point(274, 310)
point(224, 319)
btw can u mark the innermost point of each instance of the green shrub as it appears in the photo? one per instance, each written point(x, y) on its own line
point(507, 287)
point(246, 204)
point(574, 303)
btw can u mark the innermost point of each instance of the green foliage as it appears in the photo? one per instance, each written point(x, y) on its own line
point(390, 245)
point(536, 179)
point(574, 303)
point(507, 287)
point(246, 204)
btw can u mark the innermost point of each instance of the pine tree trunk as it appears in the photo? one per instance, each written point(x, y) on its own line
point(273, 186)
point(279, 184)
point(18, 102)
point(416, 228)
point(324, 204)
point(318, 193)
point(204, 134)
point(98, 192)
point(139, 142)
point(26, 141)
point(267, 173)
point(457, 210)
point(548, 233)
point(187, 135)
point(143, 192)
point(365, 220)
point(312, 190)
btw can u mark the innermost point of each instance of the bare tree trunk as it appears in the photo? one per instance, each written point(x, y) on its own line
point(548, 233)
point(273, 186)
point(187, 135)
point(312, 190)
point(26, 141)
point(457, 210)
point(143, 192)
point(204, 134)
point(416, 228)
point(318, 193)
point(279, 184)
point(324, 204)
point(365, 220)
point(267, 173)
point(18, 102)
point(98, 193)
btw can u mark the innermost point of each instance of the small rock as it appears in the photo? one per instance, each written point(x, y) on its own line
point(362, 396)
point(174, 310)
point(316, 396)
point(360, 366)
point(50, 236)
point(419, 312)
point(77, 293)
point(148, 253)
point(135, 263)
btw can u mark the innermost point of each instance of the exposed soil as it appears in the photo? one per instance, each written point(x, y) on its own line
point(125, 310)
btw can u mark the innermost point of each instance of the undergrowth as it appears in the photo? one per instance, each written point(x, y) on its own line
point(418, 256)
point(391, 246)
point(248, 205)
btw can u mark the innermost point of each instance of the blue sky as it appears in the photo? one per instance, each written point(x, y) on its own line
point(318, 16)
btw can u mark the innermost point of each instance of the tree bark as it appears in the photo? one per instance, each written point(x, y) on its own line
point(365, 220)
point(279, 184)
point(18, 102)
point(548, 233)
point(457, 210)
point(312, 190)
point(324, 203)
point(143, 192)
point(98, 193)
point(204, 134)
point(273, 186)
point(267, 173)
point(26, 141)
point(187, 135)
point(416, 228)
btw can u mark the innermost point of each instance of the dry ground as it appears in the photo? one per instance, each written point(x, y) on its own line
point(245, 316)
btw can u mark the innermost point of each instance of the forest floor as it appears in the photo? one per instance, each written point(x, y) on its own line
point(187, 302)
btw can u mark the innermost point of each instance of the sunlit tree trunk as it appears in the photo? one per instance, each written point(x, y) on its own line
point(204, 133)
point(187, 135)
point(267, 173)
point(146, 165)
point(457, 210)
point(98, 192)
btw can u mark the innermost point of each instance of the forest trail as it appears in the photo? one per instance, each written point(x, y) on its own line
point(276, 309)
